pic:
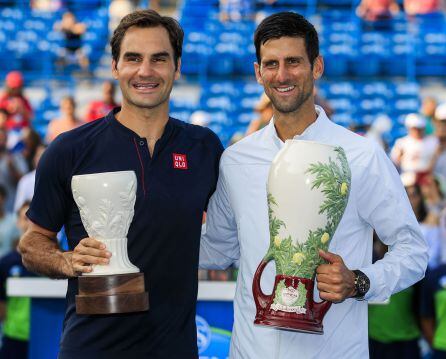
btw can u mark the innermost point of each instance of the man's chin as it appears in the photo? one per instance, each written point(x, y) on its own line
point(146, 105)
point(287, 108)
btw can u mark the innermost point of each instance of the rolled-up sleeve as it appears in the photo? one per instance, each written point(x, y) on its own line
point(383, 204)
point(219, 246)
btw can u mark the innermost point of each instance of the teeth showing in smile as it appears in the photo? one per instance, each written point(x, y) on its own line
point(285, 89)
point(145, 86)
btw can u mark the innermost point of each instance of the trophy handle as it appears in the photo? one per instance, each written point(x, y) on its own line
point(260, 298)
point(320, 309)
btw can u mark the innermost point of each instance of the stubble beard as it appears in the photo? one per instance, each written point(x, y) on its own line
point(294, 105)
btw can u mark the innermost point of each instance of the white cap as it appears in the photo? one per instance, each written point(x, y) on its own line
point(440, 112)
point(415, 120)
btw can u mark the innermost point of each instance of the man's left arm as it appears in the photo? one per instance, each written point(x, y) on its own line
point(383, 204)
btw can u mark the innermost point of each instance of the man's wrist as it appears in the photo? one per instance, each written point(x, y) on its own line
point(67, 265)
point(362, 284)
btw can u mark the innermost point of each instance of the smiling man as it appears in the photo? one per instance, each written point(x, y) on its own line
point(176, 165)
point(237, 227)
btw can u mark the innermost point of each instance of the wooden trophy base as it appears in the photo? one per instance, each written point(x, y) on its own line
point(302, 325)
point(110, 294)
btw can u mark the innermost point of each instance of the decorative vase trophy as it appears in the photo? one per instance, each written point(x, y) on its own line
point(106, 205)
point(308, 189)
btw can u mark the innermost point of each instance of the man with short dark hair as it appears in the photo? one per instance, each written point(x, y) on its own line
point(176, 165)
point(237, 224)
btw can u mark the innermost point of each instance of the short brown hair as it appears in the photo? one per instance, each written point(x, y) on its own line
point(144, 19)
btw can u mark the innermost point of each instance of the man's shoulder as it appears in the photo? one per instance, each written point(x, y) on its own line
point(79, 135)
point(254, 148)
point(72, 143)
point(195, 132)
point(359, 149)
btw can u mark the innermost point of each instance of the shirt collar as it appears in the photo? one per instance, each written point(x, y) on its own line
point(111, 119)
point(310, 133)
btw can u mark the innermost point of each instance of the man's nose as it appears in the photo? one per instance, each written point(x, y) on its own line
point(146, 68)
point(282, 74)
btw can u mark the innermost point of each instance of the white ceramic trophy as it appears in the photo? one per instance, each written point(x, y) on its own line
point(308, 190)
point(106, 204)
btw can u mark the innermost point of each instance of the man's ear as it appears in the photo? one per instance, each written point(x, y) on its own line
point(178, 70)
point(257, 72)
point(114, 69)
point(318, 67)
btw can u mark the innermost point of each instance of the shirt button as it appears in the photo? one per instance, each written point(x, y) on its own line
point(141, 143)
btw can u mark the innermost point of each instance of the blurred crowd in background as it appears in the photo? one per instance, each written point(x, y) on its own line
point(410, 324)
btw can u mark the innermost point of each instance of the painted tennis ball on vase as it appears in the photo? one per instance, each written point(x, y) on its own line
point(325, 238)
point(298, 258)
point(344, 188)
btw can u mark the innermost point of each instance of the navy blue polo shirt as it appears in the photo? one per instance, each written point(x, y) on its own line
point(163, 239)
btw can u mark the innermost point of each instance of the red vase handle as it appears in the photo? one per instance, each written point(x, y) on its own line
point(320, 309)
point(260, 298)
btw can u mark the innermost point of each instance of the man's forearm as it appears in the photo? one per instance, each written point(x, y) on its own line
point(42, 255)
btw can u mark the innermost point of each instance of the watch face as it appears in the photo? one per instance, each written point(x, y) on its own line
point(362, 283)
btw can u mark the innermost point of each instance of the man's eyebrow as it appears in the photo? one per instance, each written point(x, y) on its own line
point(265, 61)
point(131, 54)
point(294, 58)
point(161, 54)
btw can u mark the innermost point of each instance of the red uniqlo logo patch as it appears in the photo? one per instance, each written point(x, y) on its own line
point(179, 161)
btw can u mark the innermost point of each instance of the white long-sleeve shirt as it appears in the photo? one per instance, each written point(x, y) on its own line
point(237, 229)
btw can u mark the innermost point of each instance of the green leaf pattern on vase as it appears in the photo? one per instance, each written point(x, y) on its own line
point(292, 258)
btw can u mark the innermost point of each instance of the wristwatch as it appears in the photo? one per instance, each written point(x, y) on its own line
point(362, 284)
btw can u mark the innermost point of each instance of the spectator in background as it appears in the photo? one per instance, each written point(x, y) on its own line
point(25, 187)
point(428, 111)
point(433, 311)
point(377, 129)
point(155, 5)
point(31, 141)
point(440, 133)
point(427, 215)
point(8, 230)
point(117, 10)
point(15, 103)
point(101, 108)
point(237, 10)
point(265, 110)
point(12, 168)
point(415, 152)
point(73, 32)
point(374, 10)
point(46, 5)
point(3, 118)
point(67, 120)
point(15, 311)
point(422, 7)
point(393, 326)
point(200, 118)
